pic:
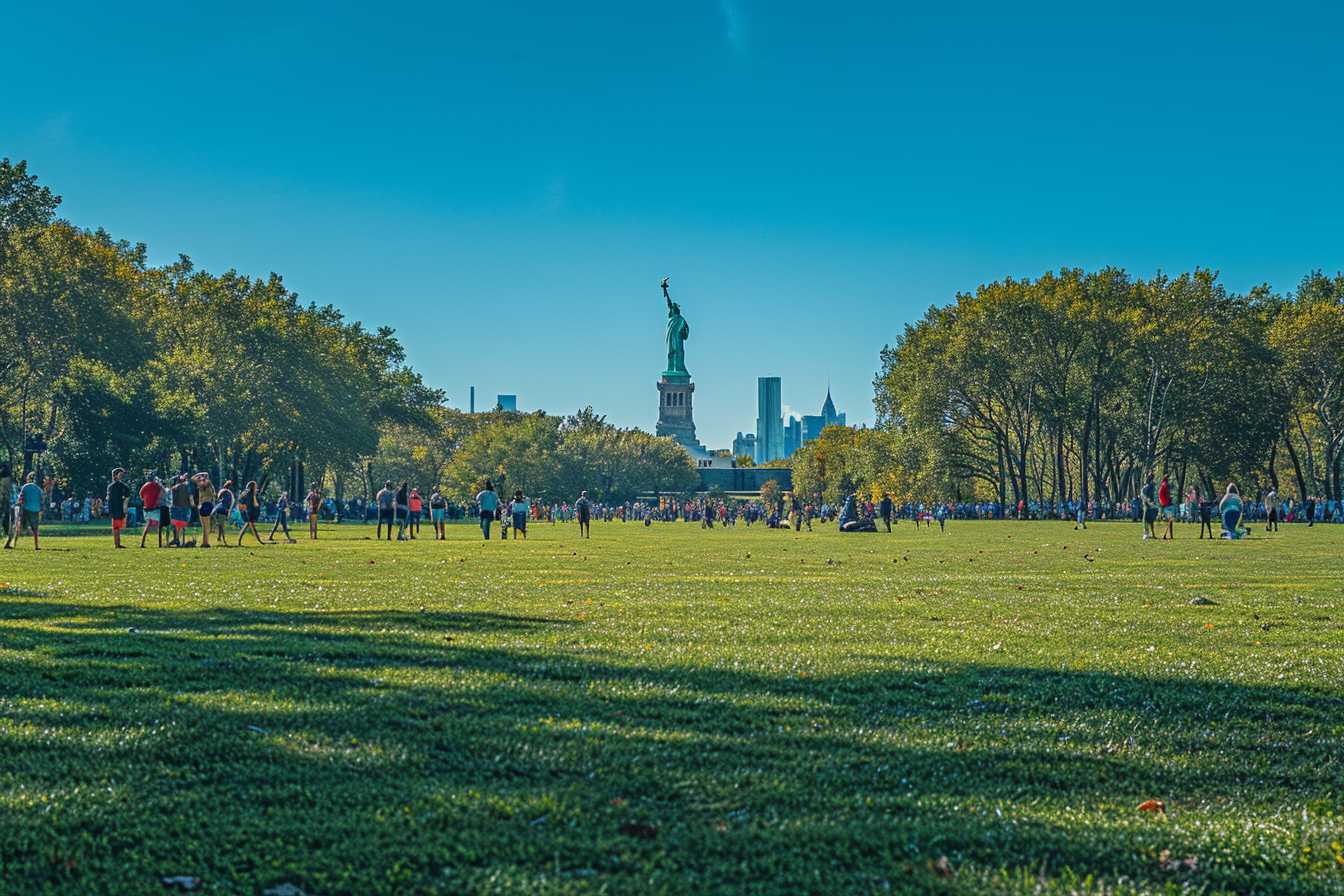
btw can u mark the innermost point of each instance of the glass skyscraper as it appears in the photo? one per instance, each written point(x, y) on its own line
point(769, 420)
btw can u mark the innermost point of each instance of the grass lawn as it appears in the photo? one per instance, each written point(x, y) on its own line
point(669, 709)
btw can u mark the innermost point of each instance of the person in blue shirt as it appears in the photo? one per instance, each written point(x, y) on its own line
point(488, 502)
point(30, 511)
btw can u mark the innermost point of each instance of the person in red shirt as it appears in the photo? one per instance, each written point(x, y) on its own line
point(1168, 508)
point(150, 494)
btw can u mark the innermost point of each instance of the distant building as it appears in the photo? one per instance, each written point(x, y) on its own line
point(793, 435)
point(745, 444)
point(769, 420)
point(506, 402)
point(813, 424)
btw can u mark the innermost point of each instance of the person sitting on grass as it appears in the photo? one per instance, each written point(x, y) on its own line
point(850, 521)
point(1230, 509)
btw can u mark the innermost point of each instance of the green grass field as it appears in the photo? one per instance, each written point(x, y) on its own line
point(669, 709)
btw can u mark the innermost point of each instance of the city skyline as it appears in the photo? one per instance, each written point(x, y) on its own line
point(523, 176)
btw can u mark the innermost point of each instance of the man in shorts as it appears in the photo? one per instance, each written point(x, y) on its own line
point(118, 495)
point(179, 510)
point(150, 494)
point(1168, 508)
point(30, 511)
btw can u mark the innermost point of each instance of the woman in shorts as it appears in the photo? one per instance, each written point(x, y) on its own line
point(438, 511)
point(205, 505)
point(314, 502)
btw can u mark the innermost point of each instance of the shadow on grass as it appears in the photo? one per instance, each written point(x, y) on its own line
point(373, 750)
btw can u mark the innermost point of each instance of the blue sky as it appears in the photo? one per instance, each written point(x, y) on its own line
point(506, 183)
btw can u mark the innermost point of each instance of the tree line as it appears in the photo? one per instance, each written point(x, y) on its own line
point(1075, 385)
point(112, 360)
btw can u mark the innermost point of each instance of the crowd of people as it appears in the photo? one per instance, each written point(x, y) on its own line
point(176, 509)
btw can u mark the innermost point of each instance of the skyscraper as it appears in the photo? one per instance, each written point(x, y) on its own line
point(793, 435)
point(769, 420)
point(506, 402)
point(745, 444)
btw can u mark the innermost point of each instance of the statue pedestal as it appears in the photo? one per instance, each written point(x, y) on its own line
point(675, 419)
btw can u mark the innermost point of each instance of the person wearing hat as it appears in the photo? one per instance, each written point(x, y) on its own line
point(118, 496)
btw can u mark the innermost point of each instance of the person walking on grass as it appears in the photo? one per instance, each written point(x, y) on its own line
point(519, 508)
point(282, 519)
point(1272, 510)
point(314, 504)
point(249, 507)
point(118, 496)
point(583, 509)
point(150, 493)
point(884, 508)
point(438, 510)
point(205, 505)
point(30, 511)
point(487, 502)
point(387, 502)
point(1167, 507)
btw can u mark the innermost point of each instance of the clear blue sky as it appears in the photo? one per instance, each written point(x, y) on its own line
point(811, 175)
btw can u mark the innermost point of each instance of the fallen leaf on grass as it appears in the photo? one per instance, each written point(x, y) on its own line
point(1153, 806)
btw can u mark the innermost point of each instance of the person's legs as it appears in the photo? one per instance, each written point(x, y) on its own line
point(312, 526)
point(486, 519)
point(279, 521)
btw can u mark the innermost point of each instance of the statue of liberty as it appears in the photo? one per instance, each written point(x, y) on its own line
point(678, 331)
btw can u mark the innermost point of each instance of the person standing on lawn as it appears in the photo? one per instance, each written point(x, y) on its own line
point(387, 502)
point(6, 499)
point(30, 511)
point(205, 505)
point(1167, 507)
point(519, 508)
point(314, 503)
point(150, 493)
point(438, 510)
point(180, 509)
point(223, 507)
point(416, 505)
point(403, 510)
point(118, 495)
point(249, 507)
point(885, 508)
point(487, 502)
point(1148, 503)
point(584, 511)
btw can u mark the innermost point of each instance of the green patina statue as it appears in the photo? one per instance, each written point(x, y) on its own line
point(678, 331)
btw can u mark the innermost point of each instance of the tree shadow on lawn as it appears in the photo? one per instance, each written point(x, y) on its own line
point(367, 749)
